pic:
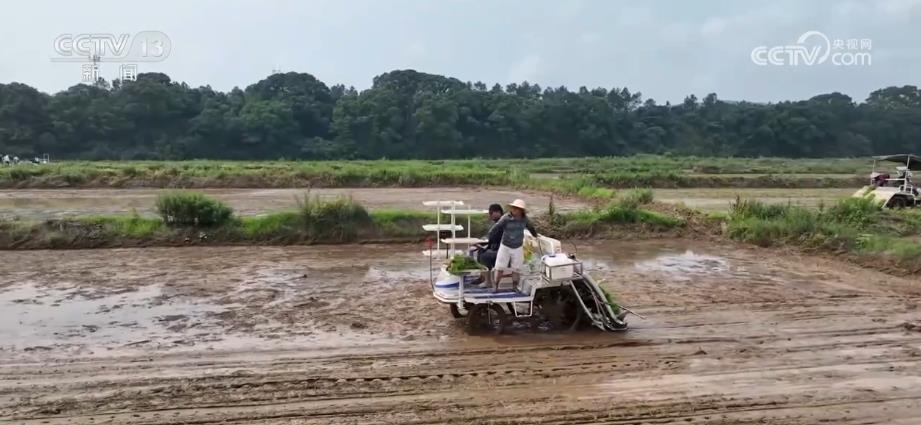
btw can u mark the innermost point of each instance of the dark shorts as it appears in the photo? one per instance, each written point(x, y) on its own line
point(487, 258)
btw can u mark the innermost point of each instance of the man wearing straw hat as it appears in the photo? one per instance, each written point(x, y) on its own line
point(511, 250)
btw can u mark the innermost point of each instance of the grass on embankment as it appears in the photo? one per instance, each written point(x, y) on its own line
point(628, 211)
point(570, 175)
point(261, 174)
point(187, 219)
point(853, 226)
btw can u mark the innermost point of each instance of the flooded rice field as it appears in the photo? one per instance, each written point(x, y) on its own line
point(719, 199)
point(58, 203)
point(350, 334)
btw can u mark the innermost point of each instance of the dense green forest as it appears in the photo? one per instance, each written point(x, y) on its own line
point(408, 114)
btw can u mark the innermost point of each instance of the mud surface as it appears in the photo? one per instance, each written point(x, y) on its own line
point(58, 203)
point(350, 334)
point(719, 199)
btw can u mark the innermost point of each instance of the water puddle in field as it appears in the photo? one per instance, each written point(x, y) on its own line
point(88, 322)
point(685, 266)
point(35, 319)
point(678, 259)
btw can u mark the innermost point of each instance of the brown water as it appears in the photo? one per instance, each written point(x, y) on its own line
point(350, 334)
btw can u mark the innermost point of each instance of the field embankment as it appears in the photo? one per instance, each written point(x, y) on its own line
point(46, 204)
point(190, 218)
point(854, 227)
point(551, 174)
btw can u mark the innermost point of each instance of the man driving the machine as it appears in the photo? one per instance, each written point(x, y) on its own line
point(485, 253)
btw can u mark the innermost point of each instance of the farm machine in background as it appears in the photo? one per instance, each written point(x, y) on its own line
point(894, 189)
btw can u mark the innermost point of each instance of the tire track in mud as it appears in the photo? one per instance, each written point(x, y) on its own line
point(377, 387)
point(826, 345)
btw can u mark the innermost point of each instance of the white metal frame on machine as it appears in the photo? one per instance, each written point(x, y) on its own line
point(469, 240)
point(452, 242)
point(453, 227)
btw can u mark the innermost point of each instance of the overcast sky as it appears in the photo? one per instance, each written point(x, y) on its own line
point(665, 49)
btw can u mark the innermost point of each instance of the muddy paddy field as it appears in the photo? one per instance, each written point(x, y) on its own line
point(350, 334)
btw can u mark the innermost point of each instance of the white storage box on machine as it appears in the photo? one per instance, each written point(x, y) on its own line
point(558, 267)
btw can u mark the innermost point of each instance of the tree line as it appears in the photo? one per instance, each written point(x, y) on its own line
point(409, 114)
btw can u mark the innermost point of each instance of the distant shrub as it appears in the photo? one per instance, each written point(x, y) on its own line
point(636, 197)
point(747, 208)
point(19, 174)
point(192, 209)
point(129, 226)
point(74, 178)
point(333, 220)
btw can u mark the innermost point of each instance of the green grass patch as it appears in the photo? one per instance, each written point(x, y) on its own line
point(858, 212)
point(568, 175)
point(133, 226)
point(902, 249)
point(597, 220)
point(851, 225)
point(280, 224)
point(591, 192)
point(400, 223)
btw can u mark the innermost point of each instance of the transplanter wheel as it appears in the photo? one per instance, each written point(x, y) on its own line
point(570, 312)
point(486, 318)
point(455, 312)
point(898, 203)
point(559, 310)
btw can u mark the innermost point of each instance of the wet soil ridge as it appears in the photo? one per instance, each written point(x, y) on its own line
point(191, 218)
point(267, 335)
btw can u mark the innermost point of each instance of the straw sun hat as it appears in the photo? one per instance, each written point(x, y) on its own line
point(518, 203)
